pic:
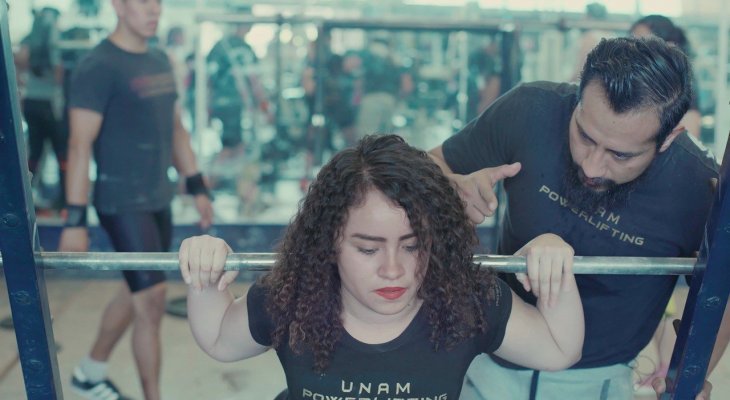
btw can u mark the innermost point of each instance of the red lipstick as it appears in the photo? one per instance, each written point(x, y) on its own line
point(391, 293)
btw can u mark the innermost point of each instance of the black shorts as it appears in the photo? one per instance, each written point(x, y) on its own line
point(140, 231)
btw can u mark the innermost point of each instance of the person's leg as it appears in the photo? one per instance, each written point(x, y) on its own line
point(90, 376)
point(145, 308)
point(367, 121)
point(375, 114)
point(231, 135)
point(604, 383)
point(59, 140)
point(387, 104)
point(487, 380)
point(114, 322)
point(34, 118)
point(143, 301)
point(42, 126)
point(148, 299)
point(149, 308)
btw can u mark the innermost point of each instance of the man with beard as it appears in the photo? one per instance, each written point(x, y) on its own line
point(605, 166)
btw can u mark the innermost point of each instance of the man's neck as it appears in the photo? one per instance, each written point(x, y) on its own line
point(128, 41)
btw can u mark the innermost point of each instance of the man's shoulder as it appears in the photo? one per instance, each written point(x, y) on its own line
point(158, 52)
point(548, 88)
point(691, 154)
point(682, 176)
point(159, 57)
point(543, 95)
point(98, 57)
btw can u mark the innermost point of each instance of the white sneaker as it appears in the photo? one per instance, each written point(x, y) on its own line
point(102, 390)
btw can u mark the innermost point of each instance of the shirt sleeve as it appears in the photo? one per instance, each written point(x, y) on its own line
point(259, 321)
point(497, 311)
point(92, 85)
point(487, 141)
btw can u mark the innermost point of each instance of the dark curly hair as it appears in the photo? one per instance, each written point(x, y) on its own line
point(304, 286)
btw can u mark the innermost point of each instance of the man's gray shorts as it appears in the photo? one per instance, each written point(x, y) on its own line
point(486, 380)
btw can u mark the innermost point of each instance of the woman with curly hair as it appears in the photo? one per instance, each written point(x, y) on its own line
point(374, 293)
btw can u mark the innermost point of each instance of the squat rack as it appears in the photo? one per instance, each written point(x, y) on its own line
point(23, 264)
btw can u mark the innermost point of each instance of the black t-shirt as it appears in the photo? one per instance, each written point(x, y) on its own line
point(135, 93)
point(380, 74)
point(230, 62)
point(406, 367)
point(664, 217)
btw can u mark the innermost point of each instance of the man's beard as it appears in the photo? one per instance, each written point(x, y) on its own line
point(601, 194)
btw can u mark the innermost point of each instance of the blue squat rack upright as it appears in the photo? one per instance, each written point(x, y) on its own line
point(19, 241)
point(24, 273)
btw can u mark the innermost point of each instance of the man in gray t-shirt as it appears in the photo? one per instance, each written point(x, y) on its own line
point(122, 104)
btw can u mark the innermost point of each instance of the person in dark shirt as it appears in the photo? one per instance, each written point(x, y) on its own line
point(606, 167)
point(123, 105)
point(235, 86)
point(338, 90)
point(374, 292)
point(483, 80)
point(40, 57)
point(383, 82)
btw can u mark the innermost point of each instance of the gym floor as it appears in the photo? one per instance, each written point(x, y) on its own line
point(187, 372)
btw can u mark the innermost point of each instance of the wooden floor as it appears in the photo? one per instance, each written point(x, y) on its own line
point(187, 372)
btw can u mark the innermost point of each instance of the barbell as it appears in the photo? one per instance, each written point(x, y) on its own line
point(111, 261)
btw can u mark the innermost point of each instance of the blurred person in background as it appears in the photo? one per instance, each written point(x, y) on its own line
point(384, 82)
point(235, 87)
point(663, 28)
point(39, 62)
point(484, 82)
point(590, 37)
point(338, 81)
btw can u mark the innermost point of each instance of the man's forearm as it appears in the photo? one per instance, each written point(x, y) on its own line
point(182, 152)
point(77, 174)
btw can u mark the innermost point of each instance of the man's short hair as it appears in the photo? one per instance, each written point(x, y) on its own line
point(639, 74)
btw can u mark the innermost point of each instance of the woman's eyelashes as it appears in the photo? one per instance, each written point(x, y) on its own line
point(411, 248)
point(367, 251)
